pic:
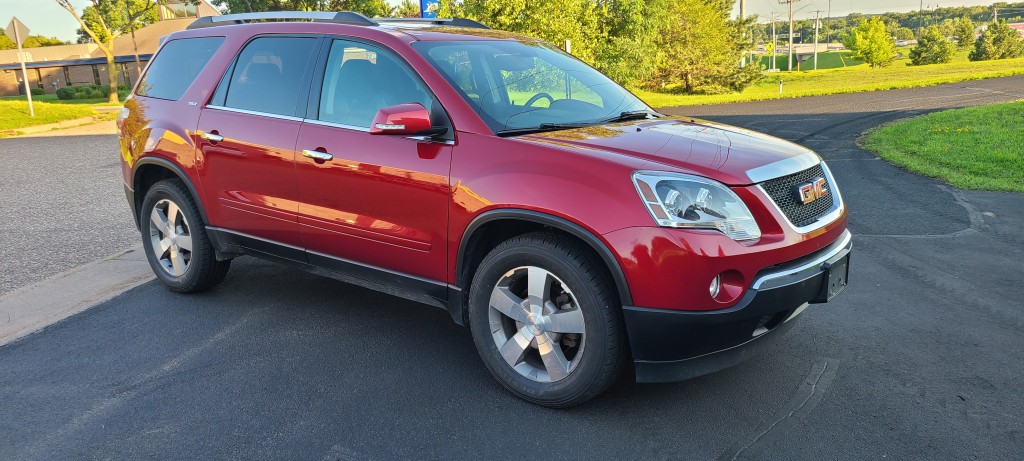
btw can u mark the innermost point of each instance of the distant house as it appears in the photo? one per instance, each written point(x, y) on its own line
point(1019, 26)
point(53, 67)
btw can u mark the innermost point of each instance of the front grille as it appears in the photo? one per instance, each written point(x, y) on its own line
point(783, 192)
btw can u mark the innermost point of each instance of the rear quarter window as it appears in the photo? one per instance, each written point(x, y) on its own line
point(176, 66)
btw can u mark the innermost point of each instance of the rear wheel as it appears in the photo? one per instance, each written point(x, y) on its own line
point(175, 240)
point(545, 321)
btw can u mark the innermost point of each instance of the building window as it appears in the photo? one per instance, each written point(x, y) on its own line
point(96, 74)
point(39, 79)
point(67, 76)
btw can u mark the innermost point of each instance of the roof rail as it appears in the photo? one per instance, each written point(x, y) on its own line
point(342, 17)
point(453, 22)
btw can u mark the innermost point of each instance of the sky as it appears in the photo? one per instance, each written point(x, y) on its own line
point(44, 17)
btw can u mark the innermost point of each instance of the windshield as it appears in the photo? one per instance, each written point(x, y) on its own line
point(517, 86)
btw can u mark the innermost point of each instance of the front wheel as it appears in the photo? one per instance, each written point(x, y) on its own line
point(545, 320)
point(175, 240)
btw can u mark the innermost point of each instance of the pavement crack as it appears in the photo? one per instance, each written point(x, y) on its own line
point(808, 395)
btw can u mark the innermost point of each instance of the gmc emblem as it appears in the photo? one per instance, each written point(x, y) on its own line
point(812, 191)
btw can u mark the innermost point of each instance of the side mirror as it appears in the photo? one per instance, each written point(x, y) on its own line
point(410, 119)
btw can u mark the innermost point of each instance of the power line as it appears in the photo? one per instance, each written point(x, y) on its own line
point(790, 3)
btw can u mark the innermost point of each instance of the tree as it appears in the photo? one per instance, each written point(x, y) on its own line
point(579, 21)
point(963, 31)
point(932, 48)
point(32, 41)
point(702, 47)
point(103, 21)
point(407, 9)
point(371, 8)
point(870, 43)
point(999, 41)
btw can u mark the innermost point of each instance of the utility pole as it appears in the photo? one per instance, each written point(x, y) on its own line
point(790, 3)
point(743, 15)
point(817, 26)
point(775, 40)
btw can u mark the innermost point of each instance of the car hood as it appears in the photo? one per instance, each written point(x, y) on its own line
point(734, 156)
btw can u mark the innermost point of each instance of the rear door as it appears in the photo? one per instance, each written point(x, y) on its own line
point(247, 139)
point(379, 202)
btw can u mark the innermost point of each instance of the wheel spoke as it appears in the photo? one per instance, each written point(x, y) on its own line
point(172, 216)
point(538, 283)
point(570, 321)
point(165, 243)
point(185, 242)
point(177, 262)
point(509, 304)
point(515, 348)
point(554, 360)
point(159, 220)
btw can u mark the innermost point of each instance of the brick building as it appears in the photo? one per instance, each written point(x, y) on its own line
point(54, 67)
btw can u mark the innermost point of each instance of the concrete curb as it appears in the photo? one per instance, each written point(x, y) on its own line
point(34, 307)
point(51, 126)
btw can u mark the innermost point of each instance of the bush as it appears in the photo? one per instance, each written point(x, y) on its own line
point(999, 41)
point(932, 48)
point(66, 93)
point(38, 91)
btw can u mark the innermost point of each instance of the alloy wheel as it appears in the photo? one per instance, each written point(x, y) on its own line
point(170, 237)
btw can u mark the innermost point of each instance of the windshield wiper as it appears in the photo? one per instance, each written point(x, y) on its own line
point(542, 127)
point(628, 115)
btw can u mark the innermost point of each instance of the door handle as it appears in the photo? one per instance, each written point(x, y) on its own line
point(317, 155)
point(212, 137)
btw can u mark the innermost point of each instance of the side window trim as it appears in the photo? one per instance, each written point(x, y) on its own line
point(312, 113)
point(219, 97)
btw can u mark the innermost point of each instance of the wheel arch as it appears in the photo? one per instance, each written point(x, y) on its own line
point(150, 170)
point(491, 227)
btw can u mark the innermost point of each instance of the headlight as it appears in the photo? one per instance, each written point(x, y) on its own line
point(681, 200)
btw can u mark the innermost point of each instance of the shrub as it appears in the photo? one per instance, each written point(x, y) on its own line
point(66, 93)
point(38, 91)
point(932, 48)
point(999, 41)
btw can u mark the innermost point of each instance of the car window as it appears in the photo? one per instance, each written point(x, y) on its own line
point(268, 75)
point(360, 79)
point(516, 85)
point(176, 66)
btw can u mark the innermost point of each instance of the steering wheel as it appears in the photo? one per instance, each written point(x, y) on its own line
point(537, 97)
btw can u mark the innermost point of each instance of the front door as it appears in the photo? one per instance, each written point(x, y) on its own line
point(374, 204)
point(247, 140)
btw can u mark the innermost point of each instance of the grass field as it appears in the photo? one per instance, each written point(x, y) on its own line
point(974, 148)
point(846, 80)
point(52, 98)
point(14, 114)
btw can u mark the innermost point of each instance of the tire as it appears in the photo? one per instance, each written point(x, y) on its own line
point(563, 354)
point(186, 262)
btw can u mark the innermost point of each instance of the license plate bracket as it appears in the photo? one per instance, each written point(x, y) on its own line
point(836, 277)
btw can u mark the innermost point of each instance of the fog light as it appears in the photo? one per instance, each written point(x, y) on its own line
point(716, 283)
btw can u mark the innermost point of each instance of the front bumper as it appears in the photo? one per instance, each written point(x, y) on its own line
point(673, 345)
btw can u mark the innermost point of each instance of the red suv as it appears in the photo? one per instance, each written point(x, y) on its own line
point(569, 225)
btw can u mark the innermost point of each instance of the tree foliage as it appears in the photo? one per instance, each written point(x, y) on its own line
point(963, 31)
point(689, 45)
point(932, 48)
point(370, 8)
point(871, 43)
point(407, 9)
point(999, 41)
point(32, 41)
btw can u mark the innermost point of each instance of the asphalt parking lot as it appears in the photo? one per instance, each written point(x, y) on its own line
point(921, 358)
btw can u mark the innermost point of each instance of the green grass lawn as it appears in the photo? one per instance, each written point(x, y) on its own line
point(14, 114)
point(52, 98)
point(974, 148)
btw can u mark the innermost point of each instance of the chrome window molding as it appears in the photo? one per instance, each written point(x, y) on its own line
point(253, 112)
point(806, 270)
point(828, 218)
point(784, 167)
point(365, 129)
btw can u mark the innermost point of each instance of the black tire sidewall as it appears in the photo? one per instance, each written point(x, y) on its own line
point(587, 376)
